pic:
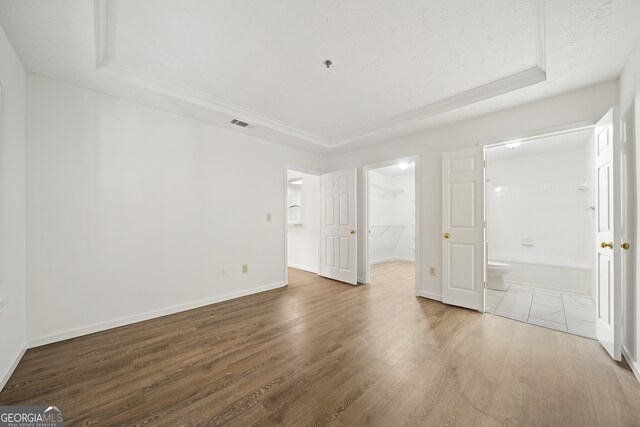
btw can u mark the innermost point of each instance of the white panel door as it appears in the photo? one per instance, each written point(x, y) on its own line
point(338, 243)
point(608, 234)
point(463, 242)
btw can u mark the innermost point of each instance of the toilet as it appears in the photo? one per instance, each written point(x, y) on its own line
point(495, 275)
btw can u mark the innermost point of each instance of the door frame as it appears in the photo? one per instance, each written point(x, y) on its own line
point(366, 277)
point(562, 130)
point(285, 216)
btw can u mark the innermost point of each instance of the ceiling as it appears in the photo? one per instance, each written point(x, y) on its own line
point(547, 145)
point(399, 66)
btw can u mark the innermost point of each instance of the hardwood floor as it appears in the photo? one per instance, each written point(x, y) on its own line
point(323, 353)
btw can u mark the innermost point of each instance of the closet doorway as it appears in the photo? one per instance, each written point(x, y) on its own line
point(391, 244)
point(302, 220)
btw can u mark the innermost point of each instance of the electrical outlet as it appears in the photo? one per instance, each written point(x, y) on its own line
point(245, 268)
point(432, 271)
point(268, 216)
point(225, 271)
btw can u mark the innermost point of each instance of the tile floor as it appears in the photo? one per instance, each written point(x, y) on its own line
point(564, 312)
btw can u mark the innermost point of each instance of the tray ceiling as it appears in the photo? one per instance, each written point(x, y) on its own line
point(398, 66)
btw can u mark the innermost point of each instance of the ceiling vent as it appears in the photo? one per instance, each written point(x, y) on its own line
point(241, 123)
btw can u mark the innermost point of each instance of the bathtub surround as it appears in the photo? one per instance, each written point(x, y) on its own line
point(540, 212)
point(537, 207)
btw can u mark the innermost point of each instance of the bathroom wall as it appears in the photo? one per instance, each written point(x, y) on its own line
point(535, 209)
point(303, 236)
point(391, 217)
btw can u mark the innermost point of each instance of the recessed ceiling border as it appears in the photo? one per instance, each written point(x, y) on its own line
point(105, 64)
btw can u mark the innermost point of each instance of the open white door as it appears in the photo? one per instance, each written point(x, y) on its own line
point(608, 234)
point(463, 241)
point(338, 243)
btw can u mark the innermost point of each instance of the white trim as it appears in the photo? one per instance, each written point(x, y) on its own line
point(303, 268)
point(501, 86)
point(127, 320)
point(14, 364)
point(391, 258)
point(430, 295)
point(492, 89)
point(205, 100)
point(635, 366)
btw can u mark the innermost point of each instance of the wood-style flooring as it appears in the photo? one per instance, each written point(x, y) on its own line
point(324, 353)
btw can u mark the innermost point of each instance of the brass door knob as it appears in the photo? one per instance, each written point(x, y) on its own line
point(446, 235)
point(352, 231)
point(606, 245)
point(625, 246)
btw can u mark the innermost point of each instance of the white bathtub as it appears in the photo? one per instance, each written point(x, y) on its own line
point(547, 273)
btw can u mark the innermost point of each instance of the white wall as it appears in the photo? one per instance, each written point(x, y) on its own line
point(303, 239)
point(584, 105)
point(12, 208)
point(133, 212)
point(630, 96)
point(391, 219)
point(540, 204)
point(405, 215)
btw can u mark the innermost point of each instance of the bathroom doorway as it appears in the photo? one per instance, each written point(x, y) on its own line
point(540, 231)
point(390, 220)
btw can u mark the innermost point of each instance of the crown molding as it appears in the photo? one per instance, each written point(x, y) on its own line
point(498, 87)
point(105, 64)
point(201, 99)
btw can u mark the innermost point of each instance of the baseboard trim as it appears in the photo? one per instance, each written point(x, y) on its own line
point(14, 365)
point(300, 267)
point(430, 295)
point(128, 320)
point(635, 366)
point(393, 258)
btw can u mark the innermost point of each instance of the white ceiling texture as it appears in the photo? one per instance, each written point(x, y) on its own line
point(399, 66)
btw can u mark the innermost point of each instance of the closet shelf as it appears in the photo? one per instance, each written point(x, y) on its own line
point(395, 192)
